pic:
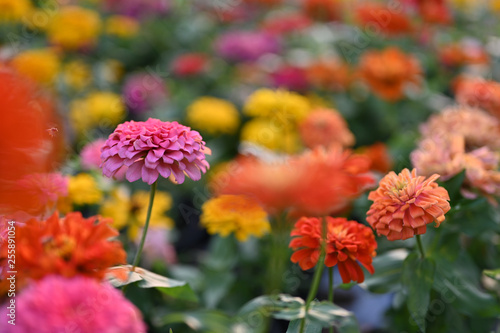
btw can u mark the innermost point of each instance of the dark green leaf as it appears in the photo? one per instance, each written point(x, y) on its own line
point(309, 327)
point(201, 321)
point(418, 277)
point(453, 186)
point(388, 269)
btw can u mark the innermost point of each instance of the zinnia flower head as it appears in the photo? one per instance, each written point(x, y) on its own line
point(328, 74)
point(323, 127)
point(81, 28)
point(477, 127)
point(246, 45)
point(14, 10)
point(213, 115)
point(143, 91)
point(90, 156)
point(323, 10)
point(236, 214)
point(189, 64)
point(477, 92)
point(271, 135)
point(41, 65)
point(404, 204)
point(482, 174)
point(66, 246)
point(290, 77)
point(387, 72)
point(121, 26)
point(84, 190)
point(153, 148)
point(138, 8)
point(380, 17)
point(287, 22)
point(347, 243)
point(379, 155)
point(79, 304)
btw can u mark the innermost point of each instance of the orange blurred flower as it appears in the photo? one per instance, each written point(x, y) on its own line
point(377, 17)
point(381, 159)
point(328, 74)
point(328, 180)
point(67, 246)
point(464, 53)
point(479, 92)
point(323, 127)
point(27, 145)
point(434, 11)
point(287, 22)
point(323, 10)
point(404, 204)
point(482, 174)
point(348, 244)
point(387, 72)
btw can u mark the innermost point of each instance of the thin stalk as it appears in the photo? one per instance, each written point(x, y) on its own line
point(137, 258)
point(420, 247)
point(330, 289)
point(316, 278)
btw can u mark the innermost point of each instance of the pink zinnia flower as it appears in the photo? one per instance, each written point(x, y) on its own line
point(80, 304)
point(90, 156)
point(152, 148)
point(43, 190)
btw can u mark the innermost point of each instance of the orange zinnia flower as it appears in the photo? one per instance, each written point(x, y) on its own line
point(329, 179)
point(348, 244)
point(328, 74)
point(323, 10)
point(479, 92)
point(323, 127)
point(387, 72)
point(404, 204)
point(379, 156)
point(67, 246)
point(375, 17)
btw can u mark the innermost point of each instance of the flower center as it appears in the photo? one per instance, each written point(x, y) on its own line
point(62, 246)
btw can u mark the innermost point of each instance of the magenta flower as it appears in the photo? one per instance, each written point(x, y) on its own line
point(90, 156)
point(246, 45)
point(154, 148)
point(80, 304)
point(143, 91)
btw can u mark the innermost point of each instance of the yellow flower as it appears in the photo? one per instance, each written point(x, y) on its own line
point(121, 26)
point(266, 133)
point(77, 74)
point(41, 65)
point(213, 115)
point(131, 212)
point(117, 207)
point(279, 105)
point(84, 190)
point(14, 10)
point(236, 214)
point(74, 27)
point(101, 108)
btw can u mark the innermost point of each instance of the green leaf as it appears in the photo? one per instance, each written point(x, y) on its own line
point(280, 306)
point(418, 277)
point(209, 321)
point(474, 217)
point(122, 275)
point(328, 314)
point(309, 327)
point(388, 269)
point(453, 186)
point(493, 273)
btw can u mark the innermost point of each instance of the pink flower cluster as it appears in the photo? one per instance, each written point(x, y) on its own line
point(153, 148)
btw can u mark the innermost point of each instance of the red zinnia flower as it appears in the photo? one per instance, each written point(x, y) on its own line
point(379, 17)
point(67, 246)
point(152, 148)
point(404, 204)
point(189, 64)
point(348, 244)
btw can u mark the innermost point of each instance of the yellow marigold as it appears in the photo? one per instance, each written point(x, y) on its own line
point(41, 65)
point(77, 74)
point(14, 10)
point(97, 109)
point(236, 214)
point(74, 27)
point(130, 211)
point(213, 115)
point(279, 105)
point(274, 136)
point(84, 190)
point(121, 26)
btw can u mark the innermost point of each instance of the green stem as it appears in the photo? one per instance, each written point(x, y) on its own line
point(316, 279)
point(137, 258)
point(330, 289)
point(420, 247)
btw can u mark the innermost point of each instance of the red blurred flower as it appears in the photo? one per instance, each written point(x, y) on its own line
point(323, 10)
point(404, 204)
point(387, 72)
point(189, 64)
point(377, 17)
point(284, 23)
point(67, 246)
point(323, 127)
point(379, 156)
point(348, 244)
point(434, 11)
point(290, 78)
point(328, 74)
point(464, 53)
point(329, 179)
point(27, 145)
